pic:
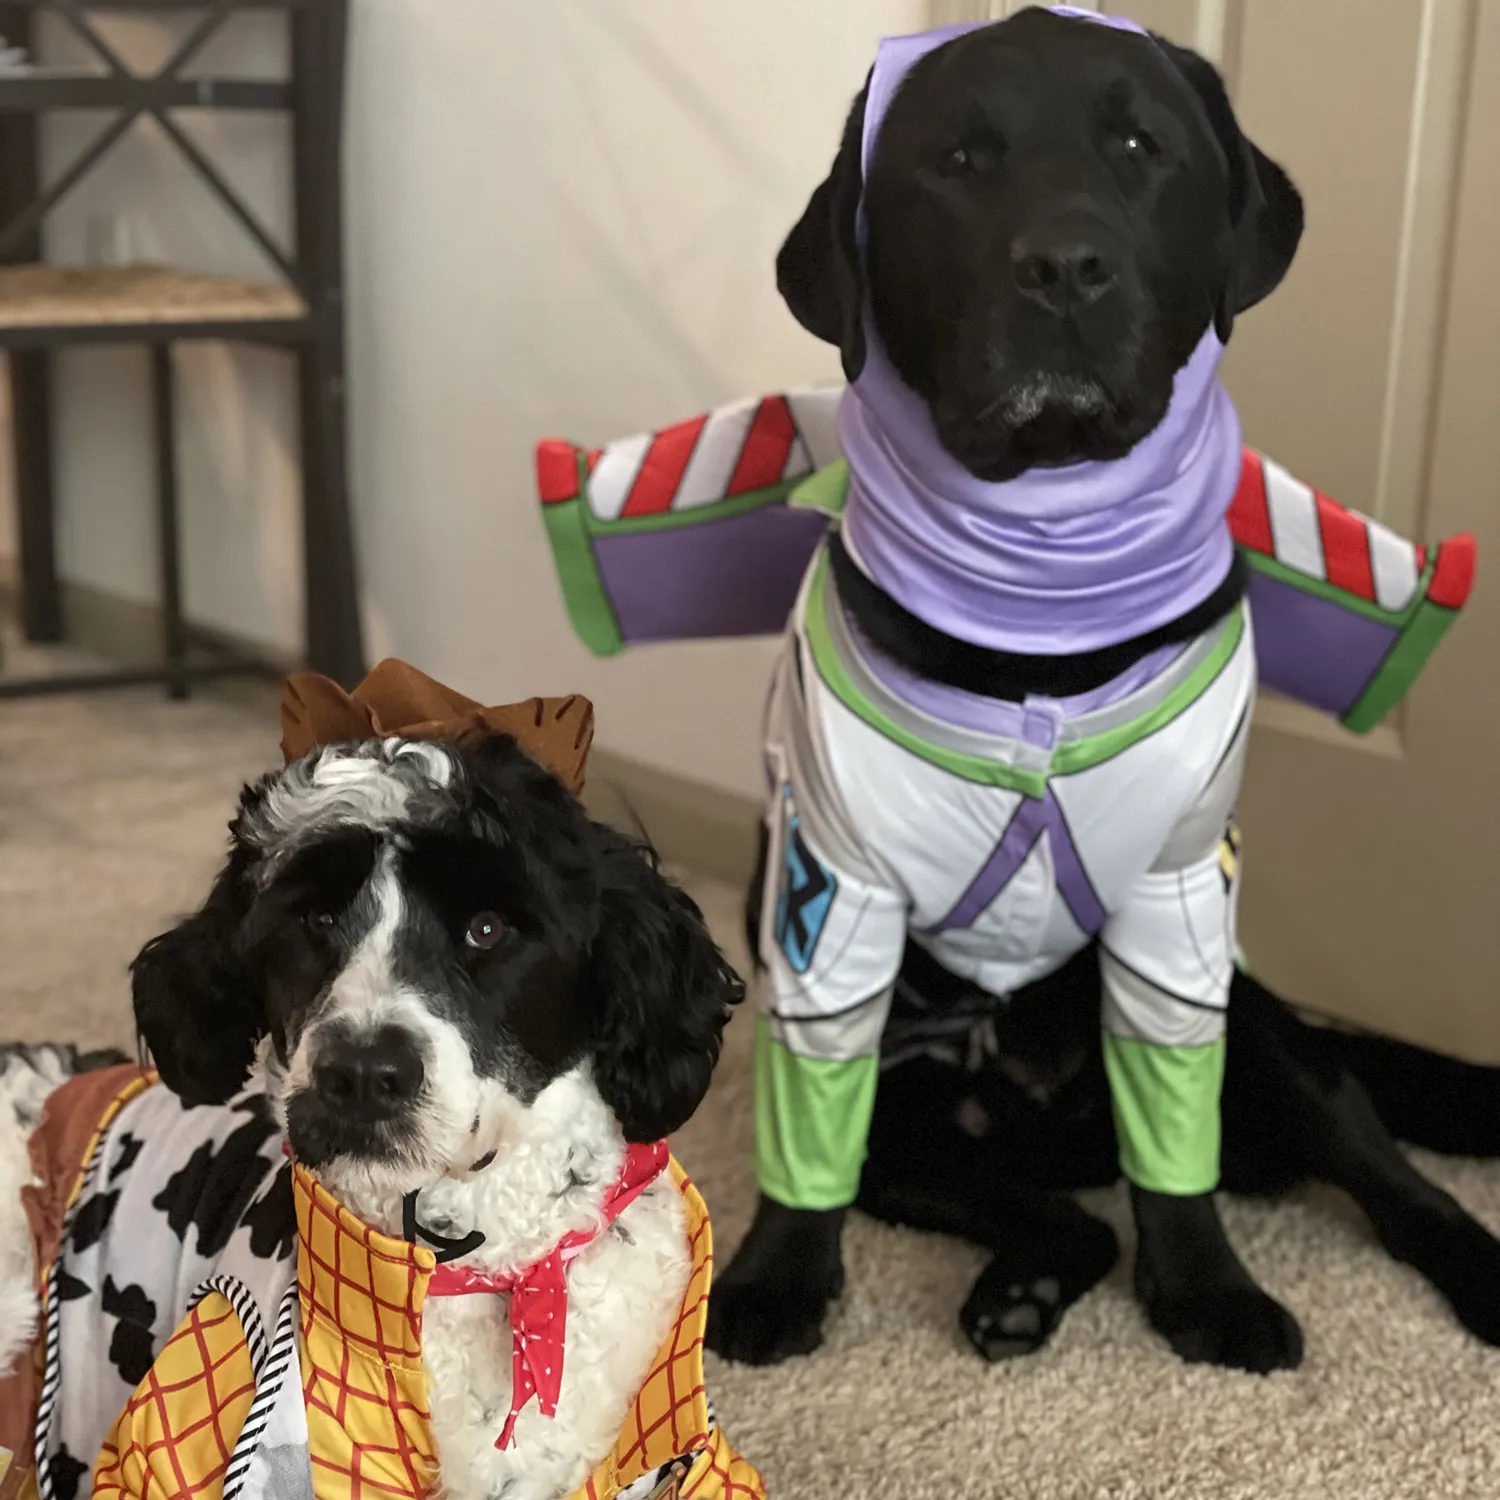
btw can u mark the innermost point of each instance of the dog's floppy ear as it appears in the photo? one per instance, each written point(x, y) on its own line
point(199, 1004)
point(661, 993)
point(819, 271)
point(1265, 209)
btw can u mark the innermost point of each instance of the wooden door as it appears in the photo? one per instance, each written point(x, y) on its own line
point(1374, 373)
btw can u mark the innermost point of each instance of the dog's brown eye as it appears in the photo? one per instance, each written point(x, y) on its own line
point(976, 159)
point(1138, 143)
point(485, 930)
point(320, 921)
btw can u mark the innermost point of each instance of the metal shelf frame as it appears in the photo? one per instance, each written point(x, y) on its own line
point(313, 265)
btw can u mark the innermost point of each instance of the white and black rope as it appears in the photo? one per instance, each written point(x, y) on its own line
point(267, 1388)
point(239, 1297)
point(52, 1366)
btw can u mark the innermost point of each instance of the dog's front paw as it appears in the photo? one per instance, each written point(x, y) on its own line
point(1238, 1327)
point(1021, 1296)
point(770, 1304)
point(1005, 1319)
point(763, 1325)
point(1197, 1293)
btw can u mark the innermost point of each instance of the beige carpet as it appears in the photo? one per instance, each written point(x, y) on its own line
point(112, 814)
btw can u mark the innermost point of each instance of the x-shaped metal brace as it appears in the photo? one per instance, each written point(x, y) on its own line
point(147, 95)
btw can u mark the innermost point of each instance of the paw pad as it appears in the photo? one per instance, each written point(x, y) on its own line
point(1005, 1320)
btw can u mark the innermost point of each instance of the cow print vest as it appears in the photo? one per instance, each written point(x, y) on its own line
point(176, 1203)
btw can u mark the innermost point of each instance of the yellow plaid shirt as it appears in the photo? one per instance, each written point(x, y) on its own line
point(360, 1297)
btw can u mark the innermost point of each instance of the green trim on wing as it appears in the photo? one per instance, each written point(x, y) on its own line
point(572, 526)
point(812, 1119)
point(1403, 664)
point(825, 490)
point(589, 609)
point(670, 520)
point(1166, 1104)
point(1419, 627)
point(1306, 584)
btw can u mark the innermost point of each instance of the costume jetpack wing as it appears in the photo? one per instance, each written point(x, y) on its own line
point(705, 529)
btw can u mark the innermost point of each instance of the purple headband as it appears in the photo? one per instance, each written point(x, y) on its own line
point(898, 54)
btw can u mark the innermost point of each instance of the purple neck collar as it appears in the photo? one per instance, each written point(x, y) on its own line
point(1058, 560)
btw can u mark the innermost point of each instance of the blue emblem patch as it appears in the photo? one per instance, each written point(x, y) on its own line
point(806, 897)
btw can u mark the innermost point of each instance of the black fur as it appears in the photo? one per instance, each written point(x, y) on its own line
point(819, 270)
point(598, 957)
point(1011, 675)
point(659, 992)
point(989, 1156)
point(199, 1009)
point(770, 1303)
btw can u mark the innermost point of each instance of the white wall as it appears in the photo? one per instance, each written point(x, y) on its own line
point(562, 217)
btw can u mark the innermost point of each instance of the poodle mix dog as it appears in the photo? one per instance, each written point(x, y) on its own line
point(422, 1044)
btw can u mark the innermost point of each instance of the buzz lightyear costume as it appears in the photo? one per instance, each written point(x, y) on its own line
point(1001, 836)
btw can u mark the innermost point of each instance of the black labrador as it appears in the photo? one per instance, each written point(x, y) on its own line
point(1056, 214)
point(981, 1131)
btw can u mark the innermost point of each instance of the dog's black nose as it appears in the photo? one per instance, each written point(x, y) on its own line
point(369, 1078)
point(1060, 271)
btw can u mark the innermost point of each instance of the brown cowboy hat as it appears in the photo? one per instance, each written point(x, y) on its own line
point(397, 699)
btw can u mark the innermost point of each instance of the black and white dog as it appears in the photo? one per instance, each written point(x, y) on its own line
point(457, 999)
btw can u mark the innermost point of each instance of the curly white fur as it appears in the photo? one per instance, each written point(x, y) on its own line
point(623, 1294)
point(27, 1076)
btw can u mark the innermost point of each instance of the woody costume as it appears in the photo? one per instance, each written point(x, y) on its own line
point(216, 1324)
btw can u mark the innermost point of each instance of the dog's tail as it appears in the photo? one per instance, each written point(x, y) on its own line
point(1423, 1098)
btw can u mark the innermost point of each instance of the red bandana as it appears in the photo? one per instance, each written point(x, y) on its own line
point(539, 1293)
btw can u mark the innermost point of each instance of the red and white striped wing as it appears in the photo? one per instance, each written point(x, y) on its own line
point(732, 450)
point(1277, 514)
